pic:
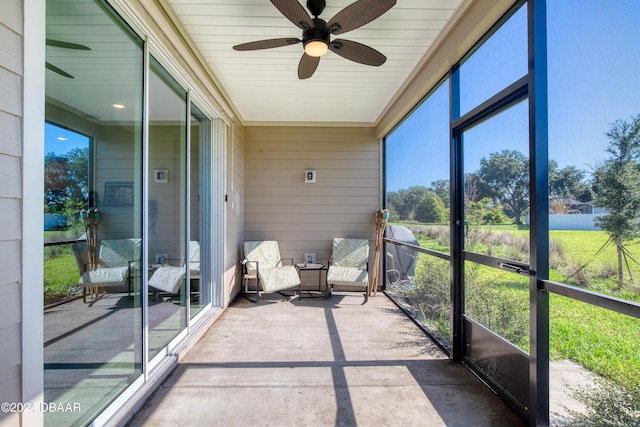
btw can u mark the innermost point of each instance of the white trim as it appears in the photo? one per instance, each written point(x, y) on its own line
point(144, 301)
point(218, 210)
point(187, 213)
point(32, 262)
point(311, 124)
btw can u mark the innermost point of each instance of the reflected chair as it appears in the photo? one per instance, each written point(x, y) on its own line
point(169, 278)
point(262, 263)
point(349, 264)
point(117, 263)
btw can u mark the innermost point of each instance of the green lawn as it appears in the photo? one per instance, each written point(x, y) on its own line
point(603, 341)
point(59, 273)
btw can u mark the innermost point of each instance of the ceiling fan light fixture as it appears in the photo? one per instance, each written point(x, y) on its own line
point(316, 48)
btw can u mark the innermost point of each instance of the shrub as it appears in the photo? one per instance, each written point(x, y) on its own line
point(497, 307)
point(610, 402)
point(431, 293)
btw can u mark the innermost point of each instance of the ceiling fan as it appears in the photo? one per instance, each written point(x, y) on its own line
point(316, 32)
point(64, 45)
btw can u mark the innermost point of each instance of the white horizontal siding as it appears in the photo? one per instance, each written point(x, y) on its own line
point(306, 217)
point(9, 392)
point(9, 263)
point(10, 92)
point(9, 134)
point(12, 15)
point(10, 332)
point(10, 176)
point(9, 220)
point(10, 50)
point(10, 203)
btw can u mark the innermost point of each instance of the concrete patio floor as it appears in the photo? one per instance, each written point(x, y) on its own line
point(318, 362)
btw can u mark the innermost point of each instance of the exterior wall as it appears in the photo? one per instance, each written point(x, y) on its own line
point(306, 217)
point(234, 235)
point(11, 33)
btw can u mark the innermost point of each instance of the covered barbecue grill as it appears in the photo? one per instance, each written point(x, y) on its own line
point(401, 261)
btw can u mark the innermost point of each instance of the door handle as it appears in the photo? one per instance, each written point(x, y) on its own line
point(517, 269)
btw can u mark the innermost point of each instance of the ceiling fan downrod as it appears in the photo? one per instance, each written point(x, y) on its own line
point(316, 7)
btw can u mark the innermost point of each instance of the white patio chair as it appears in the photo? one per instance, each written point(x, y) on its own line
point(262, 262)
point(118, 260)
point(349, 264)
point(169, 278)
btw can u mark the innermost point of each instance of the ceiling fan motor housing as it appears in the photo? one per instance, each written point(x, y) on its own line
point(316, 6)
point(319, 32)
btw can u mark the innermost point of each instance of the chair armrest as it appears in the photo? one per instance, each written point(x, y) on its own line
point(134, 269)
point(290, 260)
point(245, 261)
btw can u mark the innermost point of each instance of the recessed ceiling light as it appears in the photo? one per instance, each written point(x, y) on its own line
point(119, 106)
point(62, 138)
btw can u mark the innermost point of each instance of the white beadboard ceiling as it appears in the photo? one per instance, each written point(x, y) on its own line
point(263, 85)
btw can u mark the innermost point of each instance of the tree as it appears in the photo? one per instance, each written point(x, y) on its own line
point(55, 182)
point(485, 211)
point(441, 188)
point(506, 175)
point(567, 182)
point(431, 209)
point(617, 187)
point(405, 201)
point(66, 180)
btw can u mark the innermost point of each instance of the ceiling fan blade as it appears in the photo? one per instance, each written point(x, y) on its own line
point(307, 66)
point(358, 14)
point(55, 69)
point(294, 12)
point(357, 52)
point(66, 45)
point(266, 44)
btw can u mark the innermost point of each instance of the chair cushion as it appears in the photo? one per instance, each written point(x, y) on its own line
point(279, 278)
point(265, 252)
point(104, 277)
point(168, 278)
point(350, 252)
point(337, 275)
point(120, 252)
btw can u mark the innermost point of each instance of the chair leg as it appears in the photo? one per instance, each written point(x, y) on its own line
point(246, 288)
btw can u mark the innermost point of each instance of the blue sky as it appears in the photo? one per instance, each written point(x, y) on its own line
point(594, 79)
point(60, 141)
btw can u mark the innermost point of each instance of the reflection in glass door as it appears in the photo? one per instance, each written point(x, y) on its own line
point(496, 250)
point(168, 252)
point(92, 345)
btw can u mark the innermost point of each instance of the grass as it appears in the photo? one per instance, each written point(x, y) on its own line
point(602, 341)
point(60, 270)
point(59, 274)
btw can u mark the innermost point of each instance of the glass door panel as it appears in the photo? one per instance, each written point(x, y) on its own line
point(168, 251)
point(92, 345)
